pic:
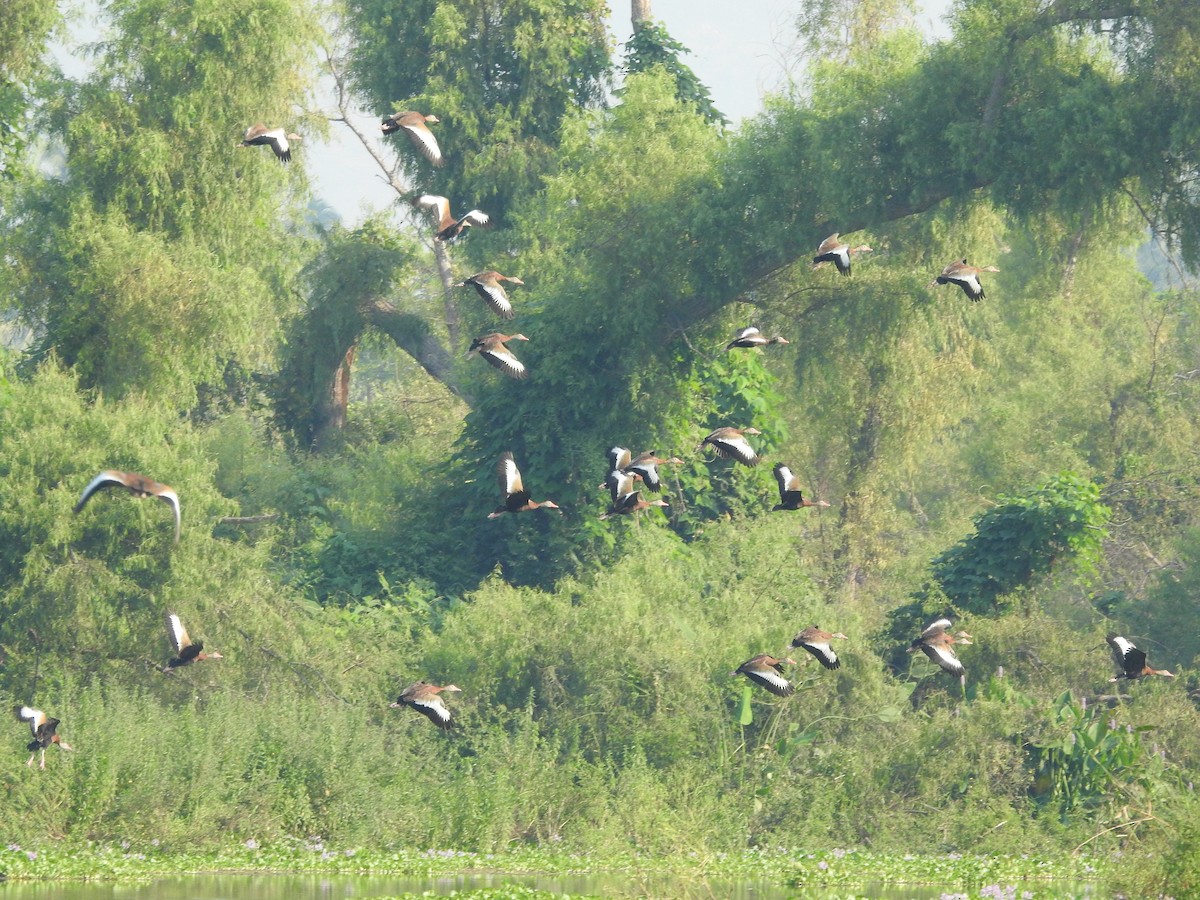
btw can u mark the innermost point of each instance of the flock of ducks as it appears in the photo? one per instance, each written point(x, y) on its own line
point(625, 470)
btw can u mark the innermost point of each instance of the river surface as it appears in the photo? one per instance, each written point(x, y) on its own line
point(355, 887)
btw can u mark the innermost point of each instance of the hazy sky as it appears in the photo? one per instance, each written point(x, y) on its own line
point(739, 51)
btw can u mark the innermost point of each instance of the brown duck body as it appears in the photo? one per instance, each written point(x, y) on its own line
point(414, 124)
point(731, 443)
point(487, 285)
point(819, 644)
point(790, 495)
point(1130, 661)
point(491, 347)
point(449, 228)
point(512, 489)
point(259, 135)
point(186, 650)
point(966, 277)
point(837, 251)
point(767, 671)
point(937, 643)
point(752, 337)
point(44, 730)
point(645, 467)
point(425, 699)
point(631, 502)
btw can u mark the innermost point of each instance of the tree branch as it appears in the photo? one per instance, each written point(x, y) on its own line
point(411, 334)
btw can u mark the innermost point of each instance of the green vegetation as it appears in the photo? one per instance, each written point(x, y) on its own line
point(131, 861)
point(1025, 465)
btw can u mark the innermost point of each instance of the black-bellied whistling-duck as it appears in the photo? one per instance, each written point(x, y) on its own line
point(138, 485)
point(424, 699)
point(790, 496)
point(1130, 661)
point(966, 277)
point(619, 484)
point(767, 671)
point(516, 498)
point(277, 139)
point(186, 651)
point(631, 502)
point(752, 337)
point(44, 729)
point(416, 125)
point(449, 228)
point(731, 443)
point(833, 249)
point(816, 642)
point(487, 285)
point(619, 458)
point(619, 481)
point(938, 644)
point(645, 465)
point(491, 347)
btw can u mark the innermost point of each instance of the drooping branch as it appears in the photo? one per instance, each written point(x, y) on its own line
point(412, 335)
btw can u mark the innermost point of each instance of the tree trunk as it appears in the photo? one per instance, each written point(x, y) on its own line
point(639, 13)
point(449, 300)
point(329, 417)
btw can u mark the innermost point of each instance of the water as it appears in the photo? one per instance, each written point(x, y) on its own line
point(356, 887)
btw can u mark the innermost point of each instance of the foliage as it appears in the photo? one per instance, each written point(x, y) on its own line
point(27, 24)
point(1090, 759)
point(652, 45)
point(1021, 538)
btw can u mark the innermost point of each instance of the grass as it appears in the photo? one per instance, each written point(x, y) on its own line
point(834, 868)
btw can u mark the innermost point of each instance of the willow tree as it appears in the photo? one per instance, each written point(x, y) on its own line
point(163, 252)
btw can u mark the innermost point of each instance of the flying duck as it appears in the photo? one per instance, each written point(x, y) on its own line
point(487, 285)
point(491, 348)
point(516, 498)
point(186, 651)
point(966, 277)
point(816, 642)
point(138, 485)
point(645, 466)
point(767, 671)
point(752, 337)
point(424, 699)
point(1131, 662)
point(449, 228)
point(44, 730)
point(937, 643)
point(731, 443)
point(631, 502)
point(790, 496)
point(417, 127)
point(277, 139)
point(833, 249)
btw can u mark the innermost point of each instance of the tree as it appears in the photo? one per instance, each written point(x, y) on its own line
point(163, 233)
point(652, 45)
